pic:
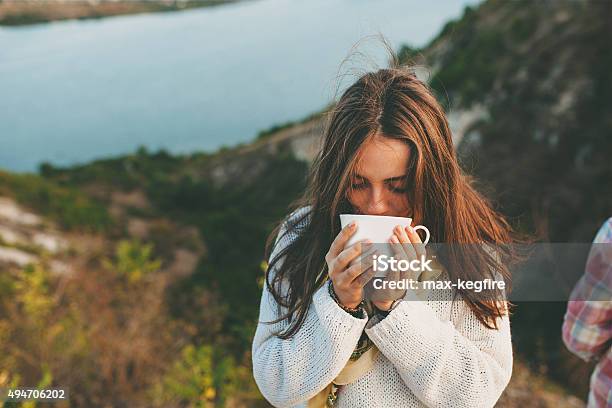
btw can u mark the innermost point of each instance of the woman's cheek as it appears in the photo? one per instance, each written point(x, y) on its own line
point(404, 207)
point(356, 199)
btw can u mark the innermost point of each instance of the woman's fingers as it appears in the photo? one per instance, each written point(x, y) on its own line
point(367, 250)
point(396, 247)
point(360, 273)
point(406, 243)
point(340, 241)
point(361, 269)
point(344, 259)
point(399, 253)
point(416, 241)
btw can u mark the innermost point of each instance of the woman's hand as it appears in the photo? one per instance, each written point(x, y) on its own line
point(406, 244)
point(347, 271)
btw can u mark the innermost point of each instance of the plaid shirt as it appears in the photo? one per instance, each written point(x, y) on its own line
point(587, 326)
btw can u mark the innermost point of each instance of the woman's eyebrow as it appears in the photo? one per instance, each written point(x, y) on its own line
point(395, 178)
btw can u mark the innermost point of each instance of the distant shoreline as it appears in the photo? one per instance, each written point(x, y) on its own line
point(24, 12)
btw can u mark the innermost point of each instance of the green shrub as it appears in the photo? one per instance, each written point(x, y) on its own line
point(71, 208)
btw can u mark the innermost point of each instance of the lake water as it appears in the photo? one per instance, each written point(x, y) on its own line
point(186, 81)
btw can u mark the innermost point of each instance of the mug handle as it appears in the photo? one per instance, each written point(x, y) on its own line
point(424, 228)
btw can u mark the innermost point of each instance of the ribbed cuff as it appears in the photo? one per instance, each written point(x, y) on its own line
point(412, 313)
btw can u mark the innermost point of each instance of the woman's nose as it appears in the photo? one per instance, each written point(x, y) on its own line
point(376, 203)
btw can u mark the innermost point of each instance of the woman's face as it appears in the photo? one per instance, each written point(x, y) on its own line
point(380, 185)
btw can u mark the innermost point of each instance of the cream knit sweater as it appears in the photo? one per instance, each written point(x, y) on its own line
point(432, 353)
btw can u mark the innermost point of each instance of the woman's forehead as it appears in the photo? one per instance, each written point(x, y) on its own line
point(381, 158)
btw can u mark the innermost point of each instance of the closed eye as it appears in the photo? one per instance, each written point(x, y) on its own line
point(398, 189)
point(399, 186)
point(393, 189)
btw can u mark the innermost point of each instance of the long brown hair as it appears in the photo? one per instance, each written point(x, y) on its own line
point(395, 103)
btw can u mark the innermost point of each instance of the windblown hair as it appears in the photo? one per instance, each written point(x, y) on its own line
point(394, 103)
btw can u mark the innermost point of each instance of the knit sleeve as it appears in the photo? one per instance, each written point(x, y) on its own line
point(460, 364)
point(290, 372)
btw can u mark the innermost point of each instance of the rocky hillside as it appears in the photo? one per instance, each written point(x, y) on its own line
point(65, 229)
point(539, 76)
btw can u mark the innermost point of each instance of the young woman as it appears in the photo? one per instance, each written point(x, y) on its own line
point(387, 150)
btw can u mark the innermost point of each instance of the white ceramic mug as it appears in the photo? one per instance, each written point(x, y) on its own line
point(377, 228)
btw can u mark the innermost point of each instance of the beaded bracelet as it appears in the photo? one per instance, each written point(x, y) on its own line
point(355, 312)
